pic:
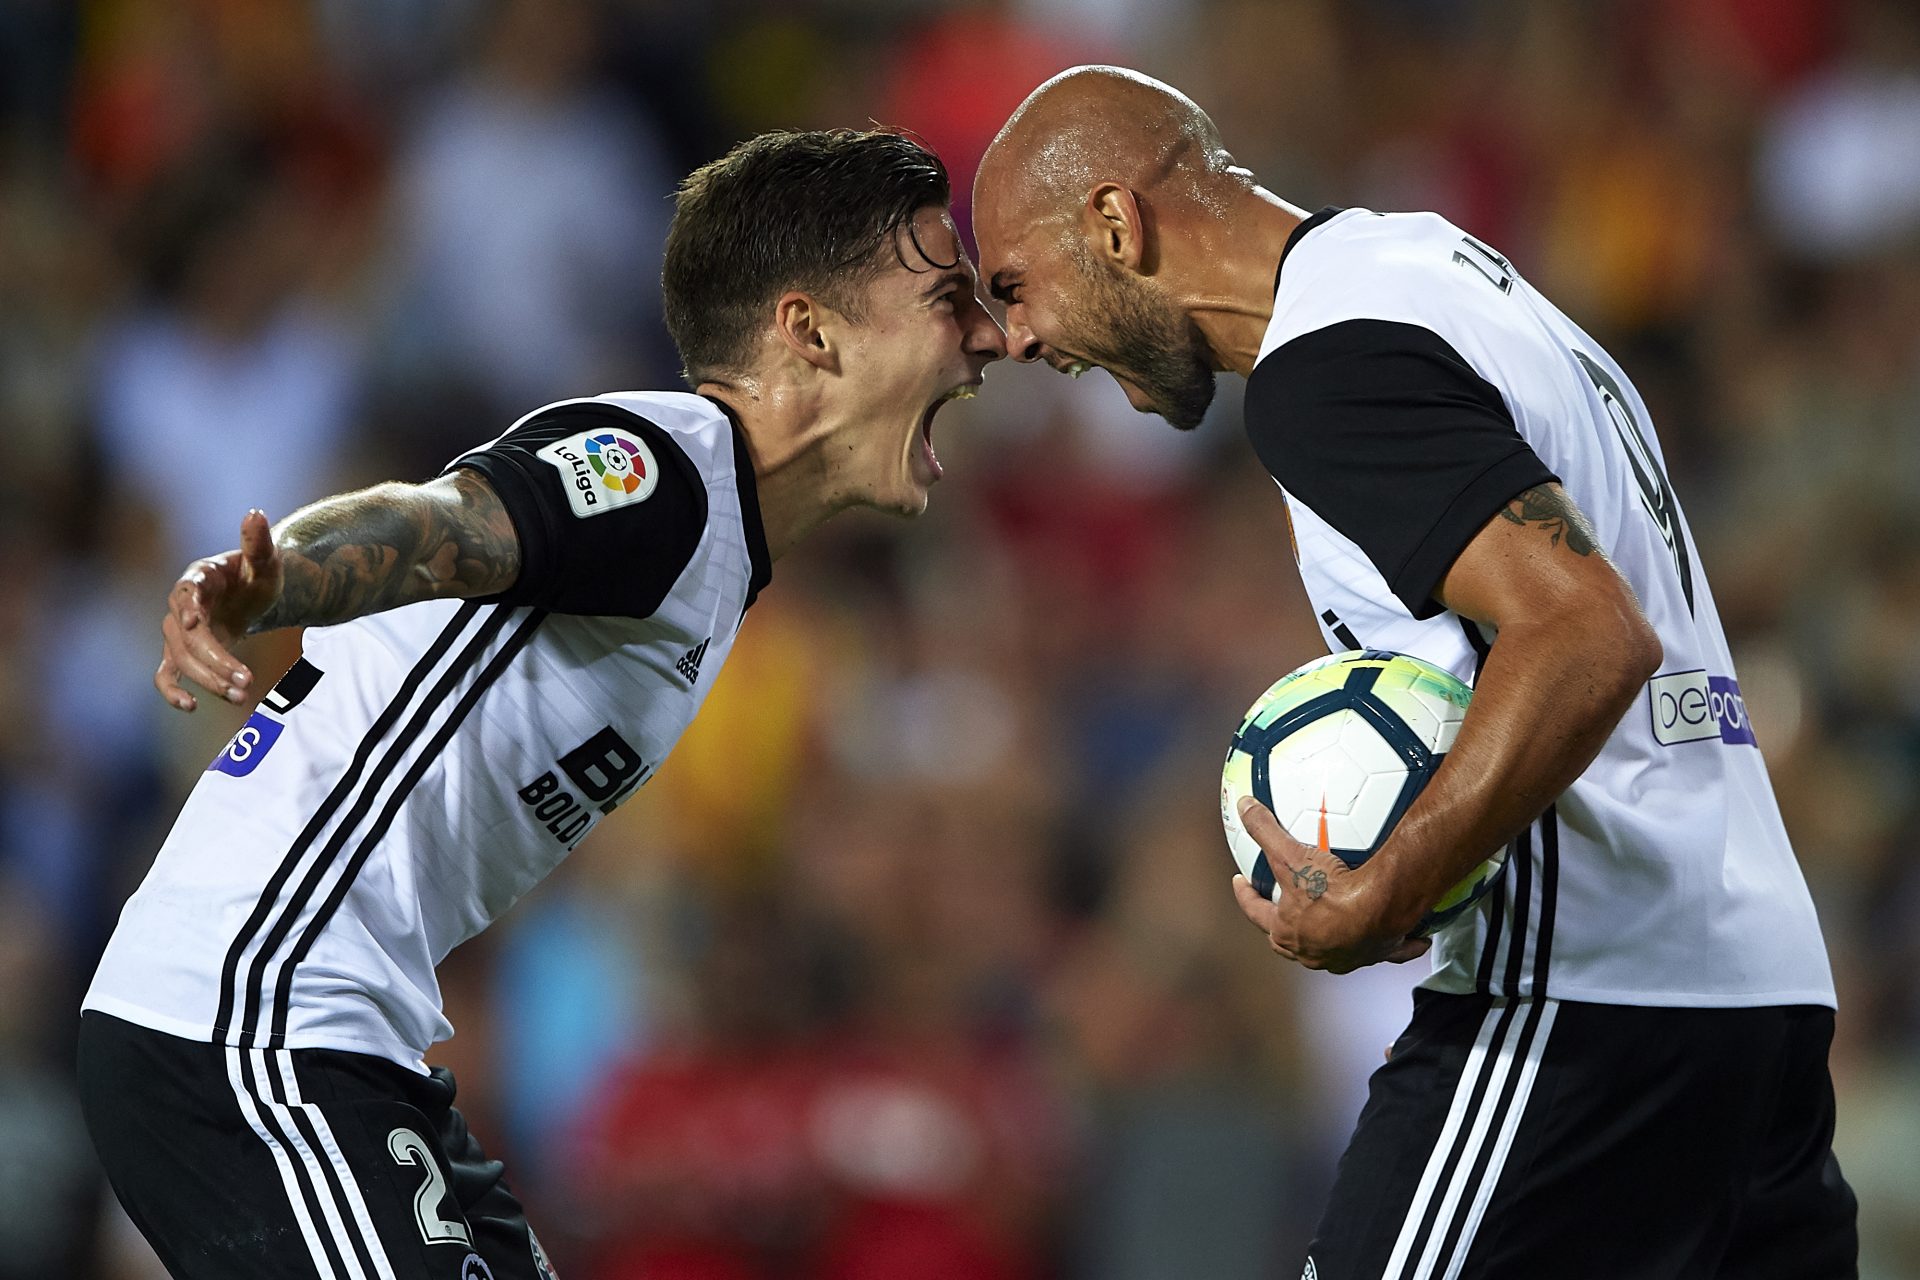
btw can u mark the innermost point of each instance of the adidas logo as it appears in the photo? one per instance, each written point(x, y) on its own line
point(689, 664)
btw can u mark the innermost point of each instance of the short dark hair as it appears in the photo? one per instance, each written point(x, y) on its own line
point(786, 210)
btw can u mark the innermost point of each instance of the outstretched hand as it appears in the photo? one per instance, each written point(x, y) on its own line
point(215, 600)
point(1328, 914)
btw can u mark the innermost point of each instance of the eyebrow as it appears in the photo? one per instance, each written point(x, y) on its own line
point(1002, 285)
point(947, 279)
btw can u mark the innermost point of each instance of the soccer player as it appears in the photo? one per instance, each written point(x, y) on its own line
point(495, 659)
point(1619, 1064)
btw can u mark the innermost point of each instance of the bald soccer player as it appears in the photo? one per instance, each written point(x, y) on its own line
point(1618, 1067)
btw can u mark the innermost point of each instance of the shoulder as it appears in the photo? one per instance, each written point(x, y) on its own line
point(1361, 265)
point(621, 480)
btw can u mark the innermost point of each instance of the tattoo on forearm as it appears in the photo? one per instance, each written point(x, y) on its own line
point(1311, 879)
point(1554, 513)
point(392, 545)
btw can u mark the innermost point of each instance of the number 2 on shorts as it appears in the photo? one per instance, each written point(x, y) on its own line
point(408, 1148)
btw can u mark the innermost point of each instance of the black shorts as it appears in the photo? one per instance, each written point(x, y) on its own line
point(1546, 1138)
point(283, 1164)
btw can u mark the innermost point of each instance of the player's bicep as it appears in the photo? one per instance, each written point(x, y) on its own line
point(1536, 557)
point(478, 549)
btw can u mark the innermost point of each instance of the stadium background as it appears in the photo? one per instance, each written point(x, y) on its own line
point(919, 959)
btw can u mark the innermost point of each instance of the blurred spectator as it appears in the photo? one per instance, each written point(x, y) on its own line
point(918, 957)
point(1840, 168)
point(531, 210)
point(229, 384)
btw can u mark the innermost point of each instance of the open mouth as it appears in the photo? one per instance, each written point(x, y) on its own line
point(965, 391)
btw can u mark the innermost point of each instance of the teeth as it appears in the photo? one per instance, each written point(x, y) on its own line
point(961, 393)
point(1076, 368)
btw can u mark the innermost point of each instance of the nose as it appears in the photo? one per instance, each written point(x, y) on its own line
point(986, 340)
point(1021, 343)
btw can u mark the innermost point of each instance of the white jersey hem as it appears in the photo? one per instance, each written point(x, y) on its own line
point(117, 1008)
point(1557, 990)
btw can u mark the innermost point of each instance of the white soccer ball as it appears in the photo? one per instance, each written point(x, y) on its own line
point(1338, 749)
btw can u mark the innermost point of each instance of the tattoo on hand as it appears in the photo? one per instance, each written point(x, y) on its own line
point(1555, 513)
point(1311, 879)
point(388, 546)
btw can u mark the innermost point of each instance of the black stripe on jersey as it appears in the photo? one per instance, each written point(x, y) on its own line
point(1549, 891)
point(1521, 860)
point(1478, 642)
point(330, 852)
point(1496, 916)
point(230, 970)
point(424, 760)
point(1341, 632)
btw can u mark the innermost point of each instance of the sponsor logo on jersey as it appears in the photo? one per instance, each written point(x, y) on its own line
point(689, 663)
point(602, 771)
point(247, 748)
point(1312, 1272)
point(603, 470)
point(474, 1267)
point(1692, 706)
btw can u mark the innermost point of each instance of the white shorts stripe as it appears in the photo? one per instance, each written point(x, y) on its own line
point(289, 1180)
point(1529, 1069)
point(337, 1161)
point(1456, 1115)
point(316, 1173)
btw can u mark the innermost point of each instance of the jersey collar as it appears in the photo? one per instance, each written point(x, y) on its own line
point(758, 557)
point(1300, 232)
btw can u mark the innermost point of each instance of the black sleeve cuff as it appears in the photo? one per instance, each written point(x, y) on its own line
point(1464, 517)
point(532, 524)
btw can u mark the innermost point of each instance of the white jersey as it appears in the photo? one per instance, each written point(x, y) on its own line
point(1410, 383)
point(417, 771)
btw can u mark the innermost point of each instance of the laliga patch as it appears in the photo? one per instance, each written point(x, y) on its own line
point(603, 470)
point(247, 748)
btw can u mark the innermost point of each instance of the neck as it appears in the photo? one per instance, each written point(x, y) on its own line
point(784, 434)
point(1231, 301)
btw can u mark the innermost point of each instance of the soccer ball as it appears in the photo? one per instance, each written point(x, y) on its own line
point(1338, 749)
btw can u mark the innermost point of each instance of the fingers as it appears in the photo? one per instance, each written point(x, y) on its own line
point(191, 651)
point(1262, 913)
point(167, 681)
point(256, 541)
point(1263, 826)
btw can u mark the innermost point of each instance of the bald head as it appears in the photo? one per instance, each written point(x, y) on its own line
point(1114, 225)
point(1094, 124)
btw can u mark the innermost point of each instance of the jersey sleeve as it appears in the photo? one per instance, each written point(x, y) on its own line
point(608, 508)
point(1388, 434)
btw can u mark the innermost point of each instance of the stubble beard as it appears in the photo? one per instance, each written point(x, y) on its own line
point(1150, 344)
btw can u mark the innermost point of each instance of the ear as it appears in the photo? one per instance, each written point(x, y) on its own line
point(1116, 225)
point(801, 322)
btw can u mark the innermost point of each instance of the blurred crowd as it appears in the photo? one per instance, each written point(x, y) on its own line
point(918, 960)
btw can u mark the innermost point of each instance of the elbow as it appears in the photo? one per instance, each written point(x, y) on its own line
point(1644, 652)
point(1635, 650)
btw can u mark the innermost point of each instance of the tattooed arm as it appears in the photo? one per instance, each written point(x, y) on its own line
point(1571, 654)
point(339, 559)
